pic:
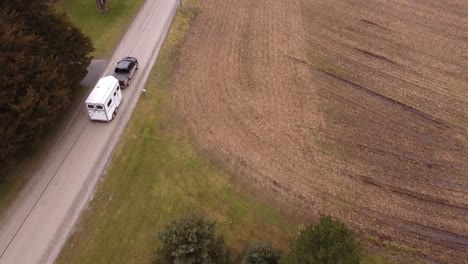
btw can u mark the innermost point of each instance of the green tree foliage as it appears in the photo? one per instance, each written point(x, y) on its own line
point(191, 240)
point(42, 57)
point(262, 253)
point(328, 242)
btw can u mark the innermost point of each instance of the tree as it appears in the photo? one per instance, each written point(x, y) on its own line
point(62, 41)
point(43, 57)
point(23, 108)
point(262, 253)
point(191, 240)
point(328, 242)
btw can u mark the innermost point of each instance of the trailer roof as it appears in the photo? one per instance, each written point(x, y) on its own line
point(102, 90)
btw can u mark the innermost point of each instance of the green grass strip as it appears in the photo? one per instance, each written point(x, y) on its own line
point(105, 29)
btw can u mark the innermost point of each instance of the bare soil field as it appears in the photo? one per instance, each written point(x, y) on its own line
point(356, 109)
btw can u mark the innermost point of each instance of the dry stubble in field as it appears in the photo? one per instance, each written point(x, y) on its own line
point(358, 109)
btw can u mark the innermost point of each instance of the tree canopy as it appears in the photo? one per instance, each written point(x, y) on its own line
point(191, 240)
point(328, 242)
point(43, 57)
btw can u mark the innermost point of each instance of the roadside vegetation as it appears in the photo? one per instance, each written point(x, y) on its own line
point(192, 239)
point(44, 57)
point(329, 241)
point(260, 253)
point(105, 30)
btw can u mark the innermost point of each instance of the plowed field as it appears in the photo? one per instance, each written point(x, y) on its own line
point(357, 109)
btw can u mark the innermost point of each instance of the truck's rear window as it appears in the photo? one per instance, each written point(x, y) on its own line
point(99, 107)
point(121, 70)
point(91, 106)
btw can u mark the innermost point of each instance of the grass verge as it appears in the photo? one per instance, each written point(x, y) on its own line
point(105, 29)
point(157, 175)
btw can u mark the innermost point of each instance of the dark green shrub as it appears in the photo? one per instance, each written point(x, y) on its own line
point(328, 242)
point(191, 240)
point(262, 253)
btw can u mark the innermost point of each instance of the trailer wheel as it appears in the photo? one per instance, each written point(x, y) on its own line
point(115, 113)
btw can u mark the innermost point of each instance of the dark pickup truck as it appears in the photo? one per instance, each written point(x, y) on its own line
point(125, 69)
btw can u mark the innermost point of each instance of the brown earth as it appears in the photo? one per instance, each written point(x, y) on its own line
point(357, 109)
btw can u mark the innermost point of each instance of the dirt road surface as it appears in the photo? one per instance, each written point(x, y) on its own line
point(38, 223)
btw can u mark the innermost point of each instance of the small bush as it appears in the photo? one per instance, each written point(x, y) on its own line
point(328, 242)
point(262, 253)
point(191, 240)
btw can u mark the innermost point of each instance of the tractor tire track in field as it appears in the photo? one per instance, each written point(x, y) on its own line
point(356, 109)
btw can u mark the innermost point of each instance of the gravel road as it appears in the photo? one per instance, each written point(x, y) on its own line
point(40, 220)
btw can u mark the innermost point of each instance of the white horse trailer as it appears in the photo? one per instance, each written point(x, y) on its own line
point(104, 100)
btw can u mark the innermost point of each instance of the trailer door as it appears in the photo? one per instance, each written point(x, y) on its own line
point(117, 95)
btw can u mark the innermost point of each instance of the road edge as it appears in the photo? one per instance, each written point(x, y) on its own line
point(86, 194)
